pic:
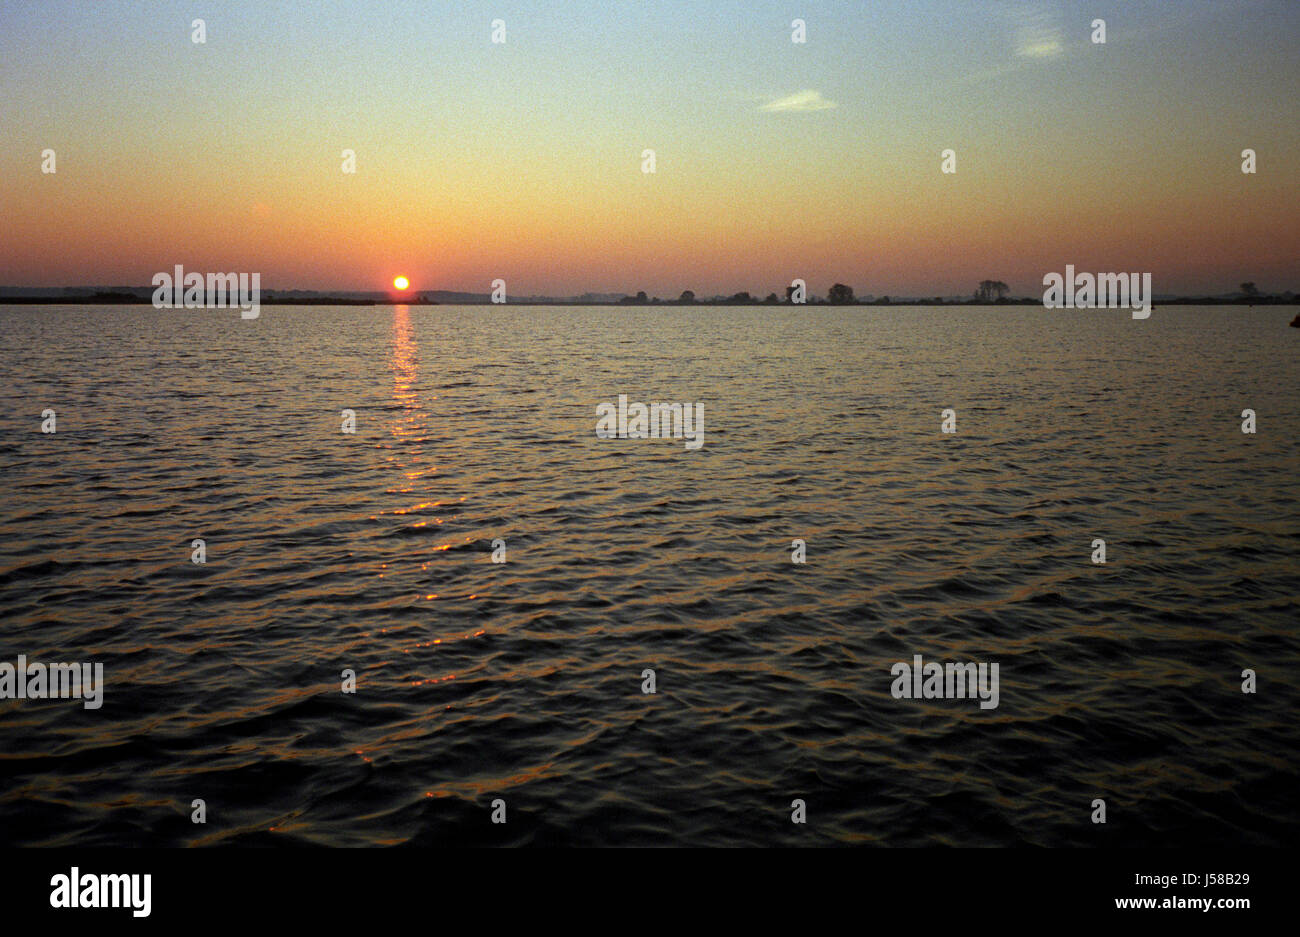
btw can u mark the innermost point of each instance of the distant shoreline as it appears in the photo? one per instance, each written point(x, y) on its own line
point(124, 300)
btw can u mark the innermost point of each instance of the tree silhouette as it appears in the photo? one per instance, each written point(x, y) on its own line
point(686, 297)
point(840, 294)
point(1249, 289)
point(991, 290)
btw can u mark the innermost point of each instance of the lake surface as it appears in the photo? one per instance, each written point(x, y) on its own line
point(522, 681)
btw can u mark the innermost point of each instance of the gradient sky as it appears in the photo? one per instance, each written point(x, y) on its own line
point(523, 160)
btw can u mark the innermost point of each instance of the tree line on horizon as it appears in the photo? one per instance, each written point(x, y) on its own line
point(994, 292)
point(839, 294)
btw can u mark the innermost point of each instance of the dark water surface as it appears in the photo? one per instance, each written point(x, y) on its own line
point(522, 681)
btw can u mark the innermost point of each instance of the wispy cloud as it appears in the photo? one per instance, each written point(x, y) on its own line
point(1036, 39)
point(799, 101)
point(1040, 40)
point(1039, 45)
point(1038, 32)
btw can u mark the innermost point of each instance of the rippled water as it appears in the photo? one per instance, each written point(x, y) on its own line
point(522, 680)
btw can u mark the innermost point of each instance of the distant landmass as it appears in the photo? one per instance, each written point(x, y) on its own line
point(838, 295)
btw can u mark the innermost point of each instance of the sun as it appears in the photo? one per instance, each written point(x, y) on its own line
point(401, 283)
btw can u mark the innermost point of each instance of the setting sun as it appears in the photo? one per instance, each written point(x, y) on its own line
point(401, 283)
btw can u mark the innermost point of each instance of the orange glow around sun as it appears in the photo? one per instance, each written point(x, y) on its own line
point(401, 283)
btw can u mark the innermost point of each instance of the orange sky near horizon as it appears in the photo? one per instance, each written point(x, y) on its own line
point(523, 160)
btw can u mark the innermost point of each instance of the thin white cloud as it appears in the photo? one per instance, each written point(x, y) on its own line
point(1039, 46)
point(1038, 32)
point(1039, 41)
point(799, 101)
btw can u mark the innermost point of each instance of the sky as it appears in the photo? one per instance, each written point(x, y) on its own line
point(774, 160)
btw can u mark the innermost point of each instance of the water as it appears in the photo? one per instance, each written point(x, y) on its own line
point(522, 681)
